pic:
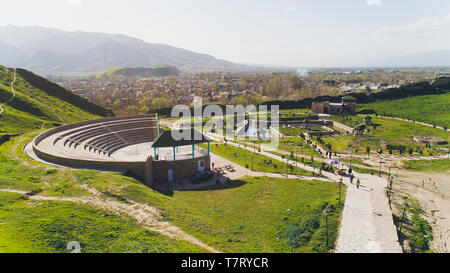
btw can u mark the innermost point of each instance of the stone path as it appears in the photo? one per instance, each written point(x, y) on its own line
point(367, 225)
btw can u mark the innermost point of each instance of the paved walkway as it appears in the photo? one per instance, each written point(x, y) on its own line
point(367, 225)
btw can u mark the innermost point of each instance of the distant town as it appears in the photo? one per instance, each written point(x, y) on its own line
point(138, 95)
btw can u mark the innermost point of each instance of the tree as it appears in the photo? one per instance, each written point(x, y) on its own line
point(116, 104)
point(159, 103)
point(368, 151)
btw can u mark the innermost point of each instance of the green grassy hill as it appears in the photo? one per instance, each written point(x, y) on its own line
point(43, 207)
point(432, 109)
point(39, 103)
point(146, 72)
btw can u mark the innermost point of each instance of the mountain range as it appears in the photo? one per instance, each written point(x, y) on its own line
point(50, 51)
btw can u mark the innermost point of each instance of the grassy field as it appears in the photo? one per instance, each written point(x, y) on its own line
point(350, 121)
point(245, 216)
point(41, 226)
point(261, 163)
point(298, 146)
point(261, 215)
point(249, 215)
point(441, 165)
point(389, 132)
point(297, 131)
point(432, 109)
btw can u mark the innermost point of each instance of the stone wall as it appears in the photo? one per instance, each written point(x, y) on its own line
point(181, 168)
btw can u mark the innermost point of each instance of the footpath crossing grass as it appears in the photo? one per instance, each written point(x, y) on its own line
point(37, 226)
point(261, 163)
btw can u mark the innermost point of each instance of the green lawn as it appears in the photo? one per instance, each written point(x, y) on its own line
point(298, 146)
point(389, 132)
point(297, 131)
point(37, 226)
point(261, 163)
point(245, 216)
point(433, 109)
point(260, 215)
point(350, 121)
point(440, 165)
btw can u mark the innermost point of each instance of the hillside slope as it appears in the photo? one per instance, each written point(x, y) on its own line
point(432, 109)
point(51, 51)
point(39, 103)
point(147, 72)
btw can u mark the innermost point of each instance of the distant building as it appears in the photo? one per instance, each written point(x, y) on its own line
point(345, 107)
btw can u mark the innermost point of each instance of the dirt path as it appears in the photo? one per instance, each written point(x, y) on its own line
point(13, 91)
point(148, 217)
point(50, 108)
point(434, 200)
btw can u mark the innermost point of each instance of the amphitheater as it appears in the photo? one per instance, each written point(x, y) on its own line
point(121, 144)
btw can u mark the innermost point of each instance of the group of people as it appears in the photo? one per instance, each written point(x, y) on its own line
point(352, 177)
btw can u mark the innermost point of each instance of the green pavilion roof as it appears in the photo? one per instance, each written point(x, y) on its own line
point(166, 139)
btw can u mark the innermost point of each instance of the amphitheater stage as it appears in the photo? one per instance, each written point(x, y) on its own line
point(121, 144)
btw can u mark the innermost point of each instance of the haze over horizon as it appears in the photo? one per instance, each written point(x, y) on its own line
point(296, 33)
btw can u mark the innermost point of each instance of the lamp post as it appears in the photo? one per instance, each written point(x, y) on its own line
point(252, 159)
point(287, 167)
point(351, 159)
point(379, 170)
point(326, 226)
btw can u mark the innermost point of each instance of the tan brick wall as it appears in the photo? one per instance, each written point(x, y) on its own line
point(181, 168)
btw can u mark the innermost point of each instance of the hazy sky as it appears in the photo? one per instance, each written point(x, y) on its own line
point(284, 32)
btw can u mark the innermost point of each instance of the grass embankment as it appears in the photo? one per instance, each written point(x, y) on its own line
point(439, 165)
point(432, 109)
point(261, 163)
point(33, 108)
point(414, 231)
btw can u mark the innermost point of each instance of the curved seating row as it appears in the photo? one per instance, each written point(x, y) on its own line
point(106, 123)
point(109, 136)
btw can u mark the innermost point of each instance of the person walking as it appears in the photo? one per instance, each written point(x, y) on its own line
point(351, 178)
point(358, 183)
